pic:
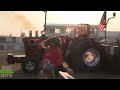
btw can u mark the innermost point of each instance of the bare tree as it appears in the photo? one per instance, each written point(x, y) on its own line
point(10, 35)
point(22, 34)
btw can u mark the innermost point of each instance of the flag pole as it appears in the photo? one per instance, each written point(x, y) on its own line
point(106, 29)
point(105, 34)
point(45, 21)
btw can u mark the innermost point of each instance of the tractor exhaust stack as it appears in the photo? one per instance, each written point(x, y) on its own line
point(30, 33)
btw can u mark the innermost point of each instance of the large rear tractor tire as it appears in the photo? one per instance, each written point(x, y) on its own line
point(87, 56)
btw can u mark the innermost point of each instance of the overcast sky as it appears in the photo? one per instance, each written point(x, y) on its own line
point(16, 21)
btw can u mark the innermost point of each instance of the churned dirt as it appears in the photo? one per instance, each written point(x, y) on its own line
point(19, 74)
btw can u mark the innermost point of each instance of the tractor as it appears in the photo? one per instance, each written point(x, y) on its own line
point(81, 53)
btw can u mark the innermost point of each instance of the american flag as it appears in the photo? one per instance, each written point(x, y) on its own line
point(102, 24)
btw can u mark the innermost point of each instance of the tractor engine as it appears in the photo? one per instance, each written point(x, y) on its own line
point(32, 46)
point(33, 52)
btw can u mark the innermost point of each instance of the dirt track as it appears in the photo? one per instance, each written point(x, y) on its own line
point(19, 74)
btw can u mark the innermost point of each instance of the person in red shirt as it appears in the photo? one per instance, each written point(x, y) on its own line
point(52, 59)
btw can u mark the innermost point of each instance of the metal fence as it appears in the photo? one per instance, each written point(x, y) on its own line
point(11, 46)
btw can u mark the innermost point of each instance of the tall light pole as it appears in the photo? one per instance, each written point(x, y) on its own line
point(114, 14)
point(45, 21)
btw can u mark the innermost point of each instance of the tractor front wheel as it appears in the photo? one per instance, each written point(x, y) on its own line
point(30, 65)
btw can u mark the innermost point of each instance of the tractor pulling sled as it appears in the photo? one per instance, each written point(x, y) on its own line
point(81, 53)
